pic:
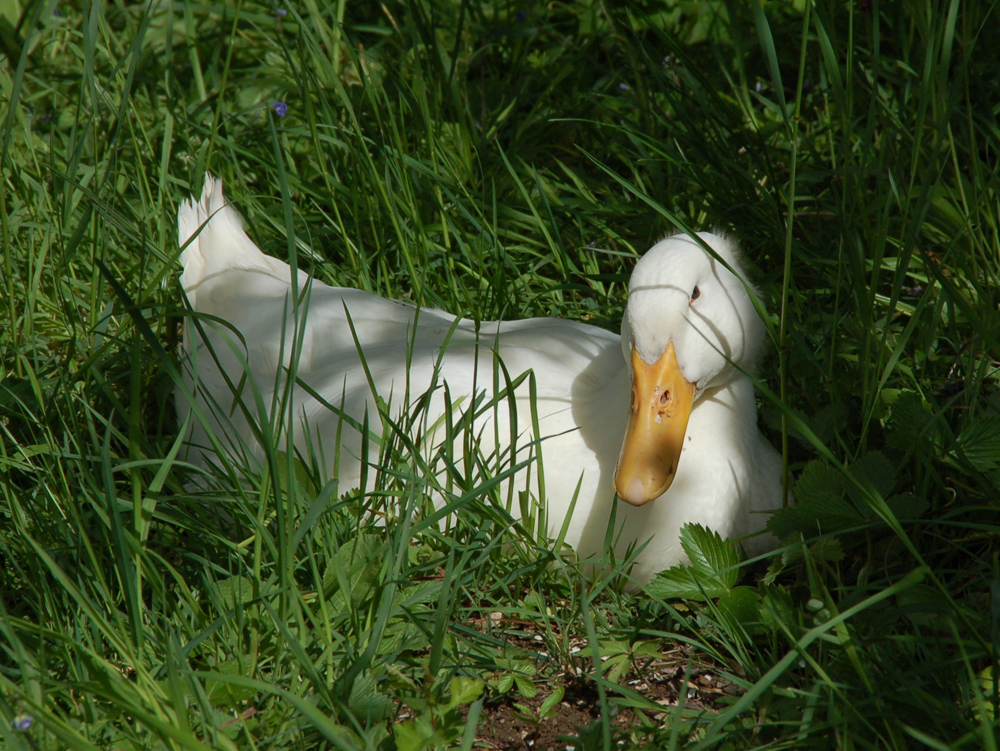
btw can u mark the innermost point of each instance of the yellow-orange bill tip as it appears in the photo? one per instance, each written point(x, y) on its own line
point(661, 405)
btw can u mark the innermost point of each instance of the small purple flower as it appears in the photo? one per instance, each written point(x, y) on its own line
point(22, 722)
point(623, 86)
point(281, 12)
point(592, 244)
point(521, 16)
point(56, 11)
point(667, 60)
point(757, 88)
point(280, 109)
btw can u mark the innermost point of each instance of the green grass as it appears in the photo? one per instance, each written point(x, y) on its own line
point(461, 156)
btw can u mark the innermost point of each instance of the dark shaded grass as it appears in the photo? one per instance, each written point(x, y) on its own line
point(460, 157)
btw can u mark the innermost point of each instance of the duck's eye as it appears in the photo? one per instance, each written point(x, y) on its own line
point(695, 293)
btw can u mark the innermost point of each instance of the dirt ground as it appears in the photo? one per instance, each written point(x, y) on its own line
point(504, 727)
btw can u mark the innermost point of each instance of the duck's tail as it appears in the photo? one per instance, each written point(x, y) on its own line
point(213, 233)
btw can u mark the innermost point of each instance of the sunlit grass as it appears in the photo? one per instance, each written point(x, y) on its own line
point(498, 162)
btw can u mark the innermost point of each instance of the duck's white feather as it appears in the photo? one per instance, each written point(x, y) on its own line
point(252, 333)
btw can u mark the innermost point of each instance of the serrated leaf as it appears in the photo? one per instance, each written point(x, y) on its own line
point(524, 667)
point(740, 609)
point(828, 549)
point(402, 636)
point(535, 602)
point(464, 691)
point(924, 606)
point(817, 509)
point(418, 595)
point(774, 570)
point(409, 736)
point(786, 522)
point(872, 469)
point(504, 683)
point(907, 506)
point(909, 427)
point(356, 565)
point(235, 589)
point(616, 667)
point(224, 692)
point(826, 421)
point(712, 558)
point(604, 649)
point(818, 482)
point(367, 703)
point(525, 686)
point(980, 443)
point(777, 609)
point(878, 470)
point(678, 583)
point(830, 513)
point(647, 648)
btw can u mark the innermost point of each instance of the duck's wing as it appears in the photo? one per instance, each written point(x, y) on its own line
point(259, 349)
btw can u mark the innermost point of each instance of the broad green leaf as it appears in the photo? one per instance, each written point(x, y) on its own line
point(367, 703)
point(818, 482)
point(525, 686)
point(415, 735)
point(907, 506)
point(827, 549)
point(910, 424)
point(679, 583)
point(711, 557)
point(980, 443)
point(740, 608)
point(464, 691)
point(820, 507)
point(617, 667)
point(222, 692)
point(303, 480)
point(712, 572)
point(235, 589)
point(504, 683)
point(551, 701)
point(356, 565)
point(872, 469)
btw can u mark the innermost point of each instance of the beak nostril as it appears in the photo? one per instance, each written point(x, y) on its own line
point(665, 397)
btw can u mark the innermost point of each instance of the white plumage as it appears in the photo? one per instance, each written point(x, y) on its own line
point(250, 334)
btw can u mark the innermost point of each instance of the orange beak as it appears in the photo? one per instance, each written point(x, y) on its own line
point(661, 405)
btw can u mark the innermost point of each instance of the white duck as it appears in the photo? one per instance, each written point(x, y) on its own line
point(688, 449)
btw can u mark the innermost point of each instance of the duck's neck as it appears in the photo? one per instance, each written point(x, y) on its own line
point(732, 404)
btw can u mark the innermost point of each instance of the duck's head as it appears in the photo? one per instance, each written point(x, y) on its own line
point(689, 321)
